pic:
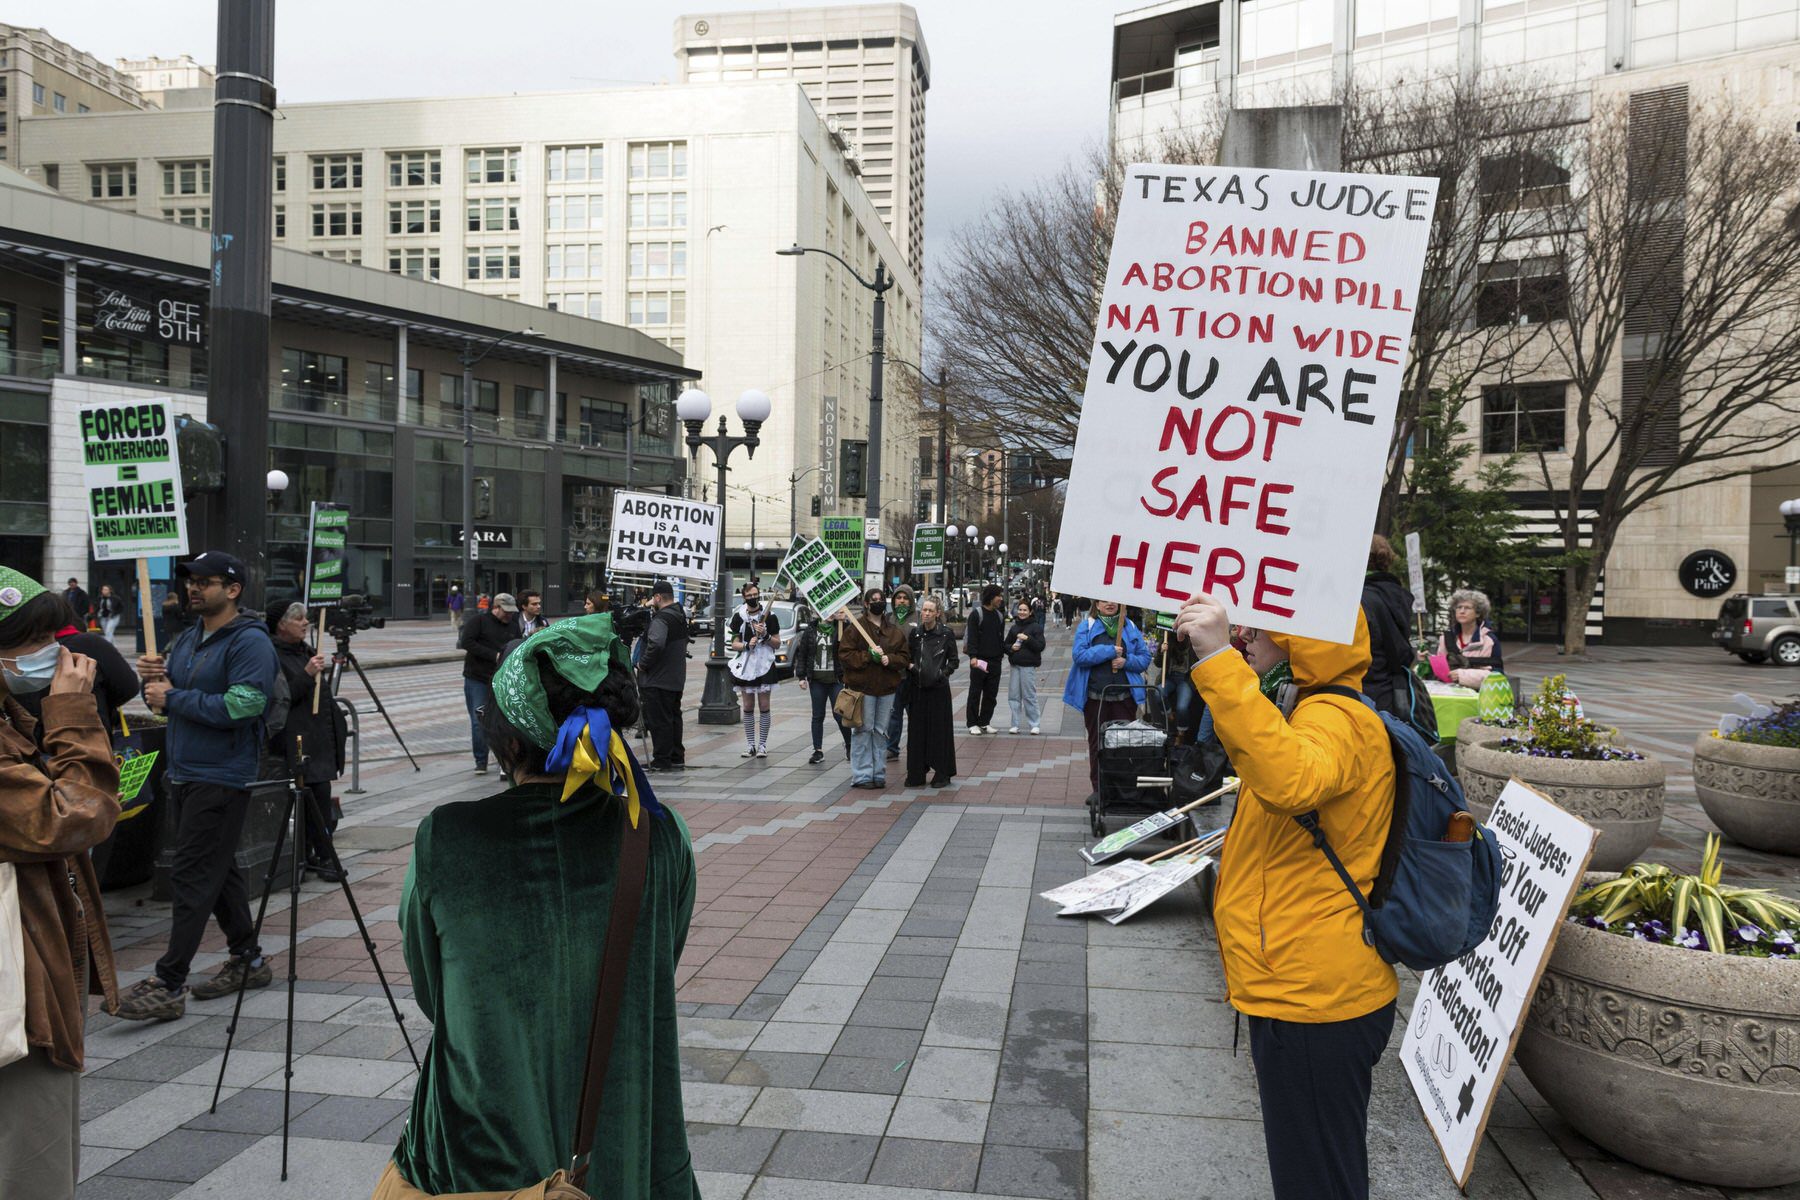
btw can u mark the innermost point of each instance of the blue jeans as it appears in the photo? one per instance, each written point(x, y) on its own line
point(1021, 694)
point(477, 694)
point(824, 695)
point(868, 745)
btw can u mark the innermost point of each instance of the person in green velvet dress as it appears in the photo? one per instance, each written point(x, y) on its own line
point(504, 915)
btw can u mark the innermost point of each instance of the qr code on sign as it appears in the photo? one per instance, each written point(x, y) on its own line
point(102, 551)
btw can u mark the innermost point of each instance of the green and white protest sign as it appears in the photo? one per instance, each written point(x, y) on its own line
point(844, 537)
point(132, 472)
point(326, 542)
point(818, 574)
point(928, 549)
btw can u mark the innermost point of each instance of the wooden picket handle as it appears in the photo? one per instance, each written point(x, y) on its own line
point(1172, 850)
point(1210, 796)
point(146, 608)
point(319, 679)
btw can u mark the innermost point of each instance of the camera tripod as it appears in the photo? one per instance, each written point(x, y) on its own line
point(342, 656)
point(293, 826)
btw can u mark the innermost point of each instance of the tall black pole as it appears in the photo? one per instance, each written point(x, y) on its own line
point(237, 391)
point(877, 348)
point(717, 704)
point(470, 591)
point(943, 446)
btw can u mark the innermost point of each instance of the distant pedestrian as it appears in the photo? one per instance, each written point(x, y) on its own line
point(755, 634)
point(174, 615)
point(662, 674)
point(59, 798)
point(932, 745)
point(454, 602)
point(482, 640)
point(214, 684)
point(1024, 655)
point(875, 658)
point(78, 601)
point(481, 602)
point(531, 613)
point(1108, 652)
point(109, 610)
point(815, 660)
point(984, 642)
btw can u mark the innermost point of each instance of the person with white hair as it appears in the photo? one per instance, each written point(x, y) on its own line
point(1469, 651)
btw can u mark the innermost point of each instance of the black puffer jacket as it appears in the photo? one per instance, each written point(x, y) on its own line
point(1030, 653)
point(1390, 682)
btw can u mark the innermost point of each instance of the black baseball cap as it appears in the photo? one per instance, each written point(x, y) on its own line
point(214, 562)
point(663, 588)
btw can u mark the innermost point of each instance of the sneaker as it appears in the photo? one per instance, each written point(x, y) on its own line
point(481, 770)
point(1014, 729)
point(230, 975)
point(762, 752)
point(893, 756)
point(324, 870)
point(974, 731)
point(1034, 731)
point(749, 752)
point(818, 756)
point(987, 729)
point(152, 1000)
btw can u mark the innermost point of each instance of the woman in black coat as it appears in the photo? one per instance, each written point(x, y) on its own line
point(931, 728)
point(320, 736)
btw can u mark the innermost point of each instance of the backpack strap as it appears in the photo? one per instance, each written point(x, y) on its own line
point(1391, 847)
point(1309, 821)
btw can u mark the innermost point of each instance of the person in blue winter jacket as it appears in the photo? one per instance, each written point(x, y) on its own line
point(1108, 650)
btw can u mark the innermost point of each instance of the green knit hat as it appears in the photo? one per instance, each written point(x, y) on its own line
point(15, 590)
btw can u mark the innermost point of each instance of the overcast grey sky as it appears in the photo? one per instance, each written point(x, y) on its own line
point(1017, 85)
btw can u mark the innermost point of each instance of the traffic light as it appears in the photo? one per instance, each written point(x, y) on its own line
point(484, 497)
point(853, 472)
point(817, 508)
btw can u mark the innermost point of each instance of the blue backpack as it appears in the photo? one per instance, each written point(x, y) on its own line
point(1433, 900)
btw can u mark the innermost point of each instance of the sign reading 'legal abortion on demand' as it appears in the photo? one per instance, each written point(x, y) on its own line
point(1234, 430)
point(1466, 1018)
point(664, 535)
point(131, 470)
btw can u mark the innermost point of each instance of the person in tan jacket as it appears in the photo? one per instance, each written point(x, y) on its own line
point(59, 796)
point(875, 671)
point(1320, 999)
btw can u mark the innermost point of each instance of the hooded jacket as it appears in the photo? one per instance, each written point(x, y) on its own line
point(664, 664)
point(53, 810)
point(218, 691)
point(1289, 933)
point(1093, 647)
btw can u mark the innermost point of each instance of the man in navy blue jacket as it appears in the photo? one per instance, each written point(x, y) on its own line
point(213, 685)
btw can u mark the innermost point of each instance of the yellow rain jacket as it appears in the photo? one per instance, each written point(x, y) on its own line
point(1289, 933)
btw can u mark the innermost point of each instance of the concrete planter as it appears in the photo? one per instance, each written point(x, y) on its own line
point(1472, 731)
point(1623, 800)
point(1751, 792)
point(1684, 1062)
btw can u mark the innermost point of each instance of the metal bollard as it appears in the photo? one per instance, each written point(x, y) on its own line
point(355, 739)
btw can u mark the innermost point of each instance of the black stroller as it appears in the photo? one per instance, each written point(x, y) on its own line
point(1133, 765)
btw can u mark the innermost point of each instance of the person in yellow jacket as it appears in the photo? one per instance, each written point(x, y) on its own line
point(1319, 999)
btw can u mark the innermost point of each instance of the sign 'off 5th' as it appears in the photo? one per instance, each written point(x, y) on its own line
point(1246, 369)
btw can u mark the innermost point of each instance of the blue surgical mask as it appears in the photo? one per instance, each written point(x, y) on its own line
point(35, 670)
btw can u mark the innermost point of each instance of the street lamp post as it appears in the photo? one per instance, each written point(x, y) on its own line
point(877, 346)
point(469, 360)
point(794, 500)
point(942, 384)
point(693, 407)
point(1790, 516)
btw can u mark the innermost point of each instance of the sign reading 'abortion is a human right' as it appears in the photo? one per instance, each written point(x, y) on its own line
point(1241, 395)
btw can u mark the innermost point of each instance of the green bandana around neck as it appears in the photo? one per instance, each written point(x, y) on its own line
point(583, 650)
point(1271, 680)
point(1111, 624)
point(15, 589)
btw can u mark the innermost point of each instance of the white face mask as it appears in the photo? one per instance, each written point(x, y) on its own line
point(35, 670)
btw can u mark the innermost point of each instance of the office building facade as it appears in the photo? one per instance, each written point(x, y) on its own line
point(657, 208)
point(41, 76)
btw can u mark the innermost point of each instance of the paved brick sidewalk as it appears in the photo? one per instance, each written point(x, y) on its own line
point(875, 1004)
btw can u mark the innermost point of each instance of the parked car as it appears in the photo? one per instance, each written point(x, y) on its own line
point(1758, 628)
point(784, 613)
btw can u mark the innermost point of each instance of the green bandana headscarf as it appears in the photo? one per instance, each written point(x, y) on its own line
point(15, 590)
point(582, 650)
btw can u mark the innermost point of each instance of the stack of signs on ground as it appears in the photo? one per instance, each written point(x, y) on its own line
point(818, 574)
point(656, 535)
point(844, 537)
point(1125, 889)
point(927, 549)
point(1466, 1018)
point(131, 471)
point(326, 542)
point(1234, 429)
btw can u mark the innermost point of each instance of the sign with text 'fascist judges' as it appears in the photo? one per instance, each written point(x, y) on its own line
point(131, 470)
point(1466, 1018)
point(818, 574)
point(664, 535)
point(1234, 430)
point(327, 542)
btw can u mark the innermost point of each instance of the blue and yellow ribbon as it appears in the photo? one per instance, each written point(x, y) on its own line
point(577, 754)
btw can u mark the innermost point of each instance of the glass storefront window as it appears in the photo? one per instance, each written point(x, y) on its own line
point(512, 527)
point(343, 465)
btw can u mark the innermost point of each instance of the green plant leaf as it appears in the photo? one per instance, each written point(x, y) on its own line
point(1681, 898)
point(1712, 918)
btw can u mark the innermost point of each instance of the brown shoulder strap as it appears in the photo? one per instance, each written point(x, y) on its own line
point(628, 897)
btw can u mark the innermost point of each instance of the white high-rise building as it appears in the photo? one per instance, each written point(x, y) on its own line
point(865, 69)
point(164, 80)
point(658, 207)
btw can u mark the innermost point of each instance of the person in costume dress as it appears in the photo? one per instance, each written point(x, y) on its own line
point(755, 636)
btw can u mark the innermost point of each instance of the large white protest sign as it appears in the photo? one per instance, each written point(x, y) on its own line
point(1466, 1018)
point(664, 535)
point(1234, 429)
point(131, 469)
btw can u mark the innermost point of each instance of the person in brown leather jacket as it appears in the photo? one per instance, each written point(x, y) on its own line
point(876, 673)
point(59, 796)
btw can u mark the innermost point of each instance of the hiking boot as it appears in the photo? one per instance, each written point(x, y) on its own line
point(152, 1000)
point(230, 975)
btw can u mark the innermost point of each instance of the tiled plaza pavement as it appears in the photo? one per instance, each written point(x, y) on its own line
point(875, 1004)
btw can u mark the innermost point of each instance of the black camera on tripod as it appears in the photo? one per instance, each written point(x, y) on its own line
point(353, 614)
